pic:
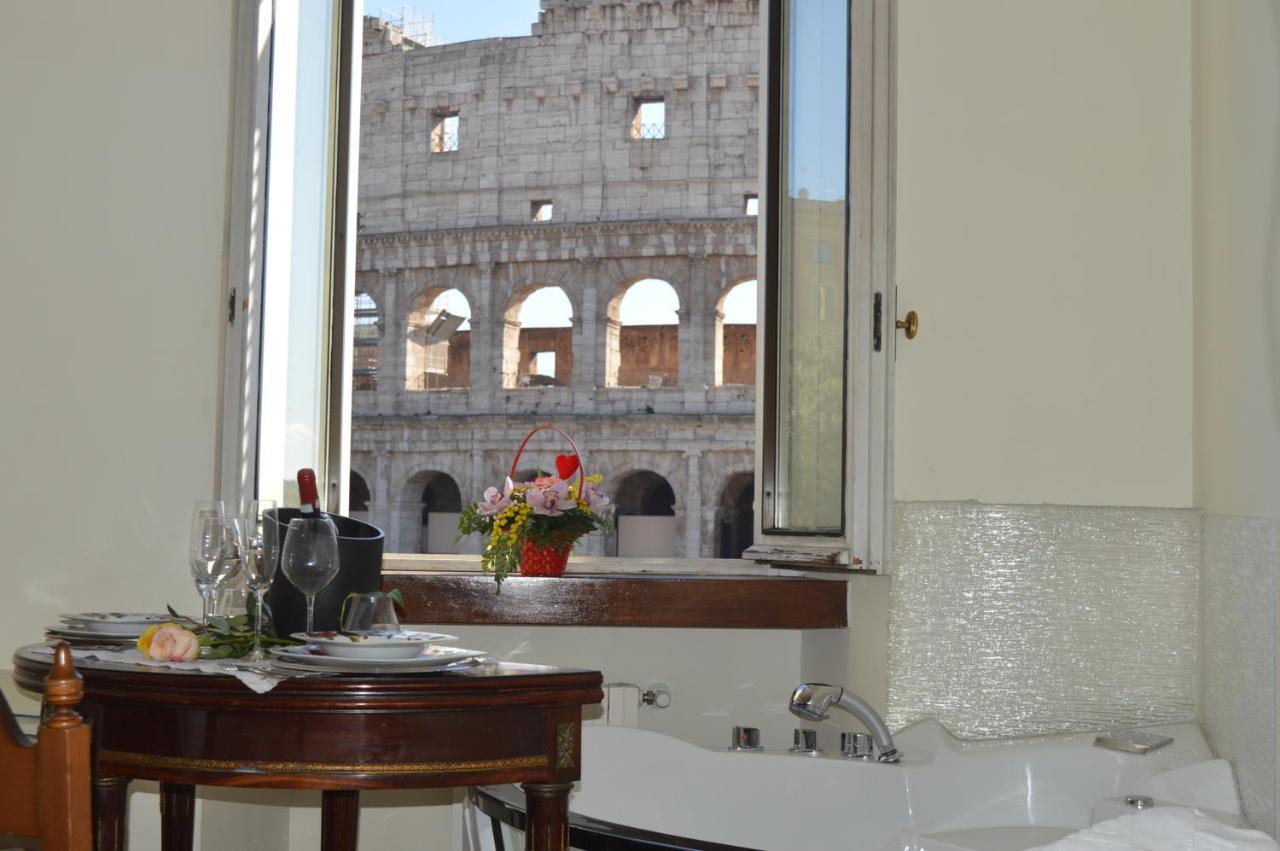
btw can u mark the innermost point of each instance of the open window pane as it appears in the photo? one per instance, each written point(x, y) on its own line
point(603, 265)
point(811, 172)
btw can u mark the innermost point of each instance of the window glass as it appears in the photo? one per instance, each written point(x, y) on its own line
point(292, 428)
point(811, 270)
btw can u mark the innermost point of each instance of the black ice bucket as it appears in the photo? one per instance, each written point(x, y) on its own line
point(359, 570)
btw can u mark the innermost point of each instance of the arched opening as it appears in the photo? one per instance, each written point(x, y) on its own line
point(642, 335)
point(735, 516)
point(646, 517)
point(358, 494)
point(364, 344)
point(438, 343)
point(735, 355)
point(430, 520)
point(537, 339)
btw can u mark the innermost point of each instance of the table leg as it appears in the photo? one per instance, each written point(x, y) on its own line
point(339, 820)
point(547, 827)
point(177, 816)
point(110, 813)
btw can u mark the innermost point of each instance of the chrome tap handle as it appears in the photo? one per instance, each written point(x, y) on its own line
point(745, 739)
point(855, 745)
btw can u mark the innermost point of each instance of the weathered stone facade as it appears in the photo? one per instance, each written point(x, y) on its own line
point(548, 117)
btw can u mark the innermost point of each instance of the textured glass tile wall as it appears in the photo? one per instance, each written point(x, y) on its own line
point(1017, 620)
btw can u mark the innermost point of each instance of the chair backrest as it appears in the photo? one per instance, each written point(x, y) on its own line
point(46, 790)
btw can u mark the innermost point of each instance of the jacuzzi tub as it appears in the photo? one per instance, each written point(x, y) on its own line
point(647, 790)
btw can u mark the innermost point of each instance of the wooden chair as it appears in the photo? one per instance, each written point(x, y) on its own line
point(45, 784)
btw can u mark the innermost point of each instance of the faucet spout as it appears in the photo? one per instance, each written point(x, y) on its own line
point(813, 700)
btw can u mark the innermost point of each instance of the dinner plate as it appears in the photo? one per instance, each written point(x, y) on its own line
point(406, 644)
point(114, 623)
point(431, 657)
point(72, 633)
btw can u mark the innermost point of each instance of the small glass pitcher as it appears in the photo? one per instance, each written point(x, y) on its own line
point(372, 612)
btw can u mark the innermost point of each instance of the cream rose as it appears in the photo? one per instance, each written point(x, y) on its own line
point(173, 644)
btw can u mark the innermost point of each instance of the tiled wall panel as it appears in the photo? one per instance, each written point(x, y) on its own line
point(1017, 620)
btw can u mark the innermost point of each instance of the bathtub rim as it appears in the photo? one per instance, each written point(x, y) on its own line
point(586, 833)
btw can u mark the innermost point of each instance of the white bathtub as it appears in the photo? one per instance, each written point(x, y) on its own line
point(946, 795)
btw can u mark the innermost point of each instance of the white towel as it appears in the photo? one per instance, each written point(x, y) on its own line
point(1163, 829)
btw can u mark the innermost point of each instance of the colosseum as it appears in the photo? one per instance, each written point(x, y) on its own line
point(614, 147)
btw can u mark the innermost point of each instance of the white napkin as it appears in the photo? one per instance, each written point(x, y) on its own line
point(259, 679)
point(1163, 829)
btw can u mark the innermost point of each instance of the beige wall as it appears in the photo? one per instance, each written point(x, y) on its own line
point(114, 163)
point(1237, 257)
point(1044, 218)
point(114, 166)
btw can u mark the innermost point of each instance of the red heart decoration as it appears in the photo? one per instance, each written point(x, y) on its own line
point(566, 465)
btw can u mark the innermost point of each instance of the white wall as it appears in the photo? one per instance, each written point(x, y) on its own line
point(1043, 233)
point(113, 163)
point(1237, 382)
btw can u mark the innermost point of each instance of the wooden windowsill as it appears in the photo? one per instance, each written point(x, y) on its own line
point(622, 599)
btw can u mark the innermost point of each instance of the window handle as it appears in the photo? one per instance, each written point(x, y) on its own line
point(910, 326)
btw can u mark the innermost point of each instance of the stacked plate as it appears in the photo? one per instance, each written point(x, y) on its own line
point(103, 627)
point(407, 652)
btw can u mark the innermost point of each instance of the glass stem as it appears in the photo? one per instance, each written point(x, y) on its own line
point(206, 601)
point(311, 610)
point(257, 623)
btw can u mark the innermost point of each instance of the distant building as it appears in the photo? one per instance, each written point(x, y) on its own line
point(617, 143)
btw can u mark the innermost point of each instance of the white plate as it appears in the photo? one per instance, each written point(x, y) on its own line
point(63, 630)
point(114, 623)
point(431, 657)
point(387, 647)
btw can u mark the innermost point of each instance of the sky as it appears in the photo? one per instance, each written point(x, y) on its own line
point(464, 20)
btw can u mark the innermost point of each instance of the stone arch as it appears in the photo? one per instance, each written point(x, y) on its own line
point(526, 346)
point(358, 494)
point(647, 355)
point(735, 515)
point(644, 508)
point(438, 339)
point(432, 501)
point(735, 342)
point(366, 329)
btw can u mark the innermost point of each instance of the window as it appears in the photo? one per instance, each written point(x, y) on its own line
point(649, 120)
point(444, 133)
point(633, 310)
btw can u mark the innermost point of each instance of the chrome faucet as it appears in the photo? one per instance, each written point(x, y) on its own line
point(813, 700)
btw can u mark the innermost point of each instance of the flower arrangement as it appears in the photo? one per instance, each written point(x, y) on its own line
point(531, 526)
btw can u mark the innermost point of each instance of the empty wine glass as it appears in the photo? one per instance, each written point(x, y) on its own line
point(310, 559)
point(215, 553)
point(261, 547)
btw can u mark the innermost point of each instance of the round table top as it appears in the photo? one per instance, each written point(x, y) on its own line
point(104, 679)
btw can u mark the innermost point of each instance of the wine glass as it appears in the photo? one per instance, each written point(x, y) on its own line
point(261, 546)
point(215, 554)
point(310, 559)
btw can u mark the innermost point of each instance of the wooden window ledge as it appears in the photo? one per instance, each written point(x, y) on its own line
point(631, 600)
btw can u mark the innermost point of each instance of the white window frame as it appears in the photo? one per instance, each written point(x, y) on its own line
point(866, 542)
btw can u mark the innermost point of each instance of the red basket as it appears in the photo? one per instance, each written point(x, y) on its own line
point(549, 559)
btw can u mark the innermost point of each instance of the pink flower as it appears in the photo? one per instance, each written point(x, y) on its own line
point(595, 498)
point(494, 500)
point(550, 497)
point(173, 644)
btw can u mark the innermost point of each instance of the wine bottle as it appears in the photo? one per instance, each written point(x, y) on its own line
point(308, 492)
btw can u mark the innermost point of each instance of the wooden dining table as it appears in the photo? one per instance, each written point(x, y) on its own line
point(492, 722)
